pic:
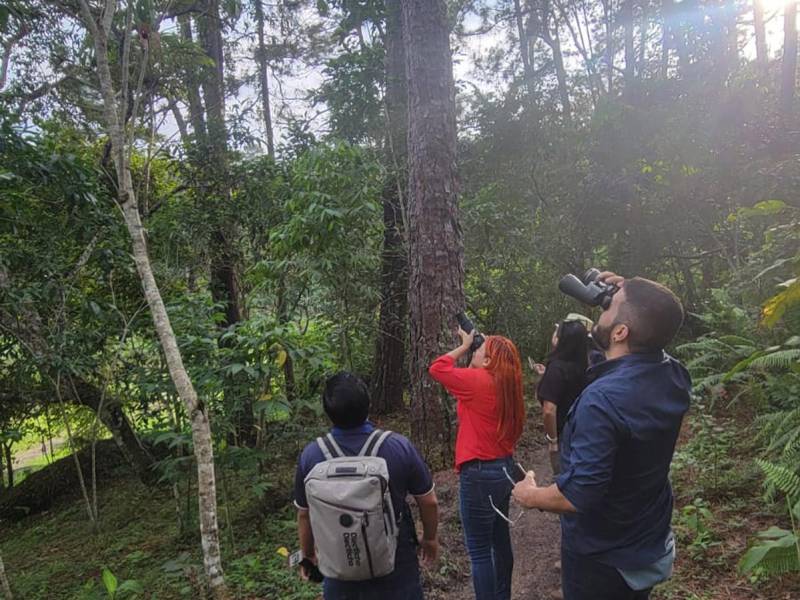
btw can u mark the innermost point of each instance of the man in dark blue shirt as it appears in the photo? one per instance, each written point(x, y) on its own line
point(614, 491)
point(346, 402)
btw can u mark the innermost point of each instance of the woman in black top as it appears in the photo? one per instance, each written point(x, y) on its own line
point(563, 380)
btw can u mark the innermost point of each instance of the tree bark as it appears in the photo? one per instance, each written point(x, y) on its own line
point(196, 114)
point(436, 253)
point(201, 430)
point(9, 460)
point(789, 61)
point(390, 351)
point(554, 41)
point(263, 72)
point(608, 18)
point(524, 47)
point(630, 50)
point(4, 585)
point(761, 37)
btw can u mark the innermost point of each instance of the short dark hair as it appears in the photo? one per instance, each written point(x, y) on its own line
point(653, 313)
point(346, 400)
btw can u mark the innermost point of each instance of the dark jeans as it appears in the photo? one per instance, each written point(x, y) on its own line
point(585, 579)
point(485, 532)
point(402, 584)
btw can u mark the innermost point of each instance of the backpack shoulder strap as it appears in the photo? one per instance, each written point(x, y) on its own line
point(367, 447)
point(373, 443)
point(336, 450)
point(379, 443)
point(330, 449)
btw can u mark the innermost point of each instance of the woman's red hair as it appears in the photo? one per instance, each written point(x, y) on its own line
point(506, 367)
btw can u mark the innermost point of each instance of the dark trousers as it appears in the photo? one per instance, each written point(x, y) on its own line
point(402, 584)
point(485, 532)
point(585, 579)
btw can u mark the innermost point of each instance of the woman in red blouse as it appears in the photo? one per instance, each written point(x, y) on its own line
point(491, 414)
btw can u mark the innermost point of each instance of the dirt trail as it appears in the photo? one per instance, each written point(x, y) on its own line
point(535, 538)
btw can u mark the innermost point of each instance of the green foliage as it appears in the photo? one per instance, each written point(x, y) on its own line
point(694, 523)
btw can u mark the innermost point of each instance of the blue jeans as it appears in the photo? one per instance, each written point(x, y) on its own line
point(585, 579)
point(485, 532)
point(401, 584)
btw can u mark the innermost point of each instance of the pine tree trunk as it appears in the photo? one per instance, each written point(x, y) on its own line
point(789, 62)
point(223, 280)
point(608, 18)
point(761, 37)
point(263, 73)
point(201, 430)
point(390, 351)
point(436, 252)
point(630, 51)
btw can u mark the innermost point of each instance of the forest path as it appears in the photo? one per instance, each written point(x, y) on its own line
point(536, 537)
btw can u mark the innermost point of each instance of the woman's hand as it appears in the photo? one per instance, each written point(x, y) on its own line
point(466, 338)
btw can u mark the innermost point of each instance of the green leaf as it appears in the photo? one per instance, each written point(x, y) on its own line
point(110, 581)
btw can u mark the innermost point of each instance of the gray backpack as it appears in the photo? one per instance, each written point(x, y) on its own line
point(352, 517)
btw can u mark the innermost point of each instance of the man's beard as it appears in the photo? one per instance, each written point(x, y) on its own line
point(602, 336)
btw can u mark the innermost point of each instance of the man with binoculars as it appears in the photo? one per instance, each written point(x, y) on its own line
point(613, 492)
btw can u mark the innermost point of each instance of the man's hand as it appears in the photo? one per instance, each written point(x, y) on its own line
point(466, 338)
point(612, 278)
point(429, 552)
point(304, 573)
point(522, 490)
point(552, 447)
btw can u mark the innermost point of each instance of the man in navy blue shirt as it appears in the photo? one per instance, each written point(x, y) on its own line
point(346, 402)
point(614, 492)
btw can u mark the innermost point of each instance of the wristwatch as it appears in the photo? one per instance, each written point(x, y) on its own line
point(549, 439)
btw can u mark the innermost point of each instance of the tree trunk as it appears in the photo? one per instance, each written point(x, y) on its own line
point(608, 18)
point(223, 280)
point(666, 32)
point(115, 419)
point(552, 38)
point(196, 115)
point(282, 309)
point(4, 585)
point(9, 460)
point(112, 416)
point(761, 37)
point(630, 50)
point(436, 252)
point(390, 351)
point(263, 72)
point(789, 62)
point(201, 430)
point(524, 47)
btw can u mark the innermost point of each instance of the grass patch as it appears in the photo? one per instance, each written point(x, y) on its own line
point(59, 554)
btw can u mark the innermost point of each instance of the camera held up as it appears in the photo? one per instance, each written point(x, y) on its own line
point(589, 289)
point(467, 326)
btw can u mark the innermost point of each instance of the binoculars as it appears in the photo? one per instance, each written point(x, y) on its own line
point(588, 289)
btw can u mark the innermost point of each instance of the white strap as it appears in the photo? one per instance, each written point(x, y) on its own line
point(325, 452)
point(335, 445)
point(380, 441)
point(372, 436)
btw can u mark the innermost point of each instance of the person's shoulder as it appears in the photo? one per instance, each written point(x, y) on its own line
point(311, 455)
point(398, 447)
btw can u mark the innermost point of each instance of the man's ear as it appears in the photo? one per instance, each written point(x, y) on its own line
point(620, 333)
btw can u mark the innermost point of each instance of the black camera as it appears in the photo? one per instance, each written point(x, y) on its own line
point(588, 289)
point(466, 325)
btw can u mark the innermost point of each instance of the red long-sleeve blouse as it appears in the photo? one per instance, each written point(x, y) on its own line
point(476, 407)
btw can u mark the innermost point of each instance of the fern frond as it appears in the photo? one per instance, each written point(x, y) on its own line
point(782, 359)
point(782, 478)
